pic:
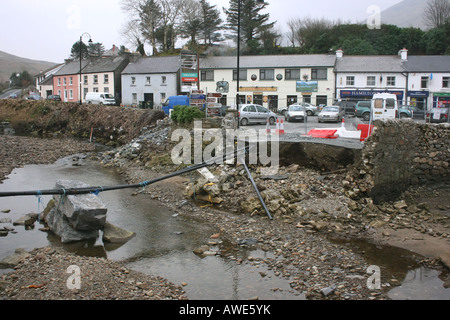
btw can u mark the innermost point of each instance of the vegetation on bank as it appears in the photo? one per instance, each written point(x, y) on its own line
point(108, 125)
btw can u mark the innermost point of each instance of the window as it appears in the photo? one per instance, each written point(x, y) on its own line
point(95, 79)
point(148, 81)
point(321, 100)
point(267, 74)
point(207, 75)
point(350, 80)
point(85, 79)
point(95, 89)
point(65, 82)
point(85, 92)
point(391, 81)
point(163, 97)
point(71, 94)
point(445, 82)
point(424, 83)
point(242, 74)
point(292, 74)
point(163, 80)
point(71, 81)
point(106, 78)
point(134, 98)
point(319, 74)
point(370, 81)
point(106, 89)
point(59, 81)
point(133, 81)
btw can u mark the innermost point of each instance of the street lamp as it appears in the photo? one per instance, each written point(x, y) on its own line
point(81, 59)
point(261, 2)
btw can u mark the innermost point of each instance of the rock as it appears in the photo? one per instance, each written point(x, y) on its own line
point(201, 250)
point(400, 205)
point(445, 259)
point(328, 290)
point(114, 234)
point(26, 220)
point(13, 260)
point(84, 212)
point(6, 211)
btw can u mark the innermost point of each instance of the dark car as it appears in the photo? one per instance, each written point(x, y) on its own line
point(347, 106)
point(416, 112)
point(54, 98)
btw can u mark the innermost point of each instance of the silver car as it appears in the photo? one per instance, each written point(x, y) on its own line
point(254, 113)
point(331, 113)
point(296, 112)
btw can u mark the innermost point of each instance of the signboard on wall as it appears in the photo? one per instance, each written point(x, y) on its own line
point(307, 86)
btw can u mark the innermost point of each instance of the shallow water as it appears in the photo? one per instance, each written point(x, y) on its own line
point(164, 242)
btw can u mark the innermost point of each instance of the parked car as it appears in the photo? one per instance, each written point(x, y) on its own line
point(331, 113)
point(296, 112)
point(34, 97)
point(416, 112)
point(54, 97)
point(438, 115)
point(363, 109)
point(254, 113)
point(13, 96)
point(311, 110)
point(101, 98)
point(348, 106)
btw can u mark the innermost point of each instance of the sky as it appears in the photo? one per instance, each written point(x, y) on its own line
point(46, 29)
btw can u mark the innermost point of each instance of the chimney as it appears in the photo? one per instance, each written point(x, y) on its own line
point(403, 54)
point(339, 53)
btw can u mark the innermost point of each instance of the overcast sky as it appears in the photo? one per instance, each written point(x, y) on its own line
point(47, 29)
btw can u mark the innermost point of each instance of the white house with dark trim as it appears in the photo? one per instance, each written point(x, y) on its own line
point(150, 80)
point(273, 81)
point(360, 77)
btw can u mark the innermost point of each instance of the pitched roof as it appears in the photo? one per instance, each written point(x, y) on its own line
point(427, 64)
point(72, 67)
point(147, 65)
point(271, 61)
point(105, 64)
point(369, 64)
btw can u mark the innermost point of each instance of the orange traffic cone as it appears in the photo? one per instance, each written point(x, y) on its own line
point(282, 127)
point(343, 123)
point(277, 129)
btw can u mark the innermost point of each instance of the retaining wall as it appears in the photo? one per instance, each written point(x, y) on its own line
point(399, 154)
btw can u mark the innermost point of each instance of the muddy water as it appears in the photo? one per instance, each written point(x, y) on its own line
point(164, 242)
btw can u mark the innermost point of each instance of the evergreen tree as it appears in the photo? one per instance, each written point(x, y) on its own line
point(211, 23)
point(75, 51)
point(252, 23)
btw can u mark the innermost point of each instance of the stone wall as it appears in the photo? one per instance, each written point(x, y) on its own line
point(397, 155)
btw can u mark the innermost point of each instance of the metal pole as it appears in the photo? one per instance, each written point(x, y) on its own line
point(238, 61)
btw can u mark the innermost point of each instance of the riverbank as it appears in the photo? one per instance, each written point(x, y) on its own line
point(299, 239)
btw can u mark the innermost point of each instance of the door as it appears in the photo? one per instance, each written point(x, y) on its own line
point(148, 101)
point(262, 114)
point(384, 108)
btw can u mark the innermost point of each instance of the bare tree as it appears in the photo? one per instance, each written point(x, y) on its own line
point(437, 12)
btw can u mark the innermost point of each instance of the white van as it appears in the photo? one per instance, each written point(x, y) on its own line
point(100, 98)
point(384, 106)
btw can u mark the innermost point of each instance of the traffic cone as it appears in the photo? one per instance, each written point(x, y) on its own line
point(268, 126)
point(343, 123)
point(282, 127)
point(277, 129)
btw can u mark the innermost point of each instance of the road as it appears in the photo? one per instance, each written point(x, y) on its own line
point(5, 94)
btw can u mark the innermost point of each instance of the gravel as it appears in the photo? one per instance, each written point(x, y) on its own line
point(298, 236)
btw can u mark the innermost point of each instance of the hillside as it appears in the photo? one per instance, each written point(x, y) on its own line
point(408, 13)
point(10, 63)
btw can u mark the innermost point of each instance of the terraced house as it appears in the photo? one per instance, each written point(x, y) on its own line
point(274, 81)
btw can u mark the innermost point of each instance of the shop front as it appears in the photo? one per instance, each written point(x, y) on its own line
point(418, 99)
point(358, 95)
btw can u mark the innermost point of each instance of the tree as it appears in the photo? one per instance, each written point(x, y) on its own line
point(96, 49)
point(170, 11)
point(437, 12)
point(191, 21)
point(149, 14)
point(211, 23)
point(75, 51)
point(252, 23)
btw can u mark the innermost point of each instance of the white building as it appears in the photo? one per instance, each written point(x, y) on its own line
point(428, 81)
point(150, 80)
point(271, 81)
point(359, 77)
